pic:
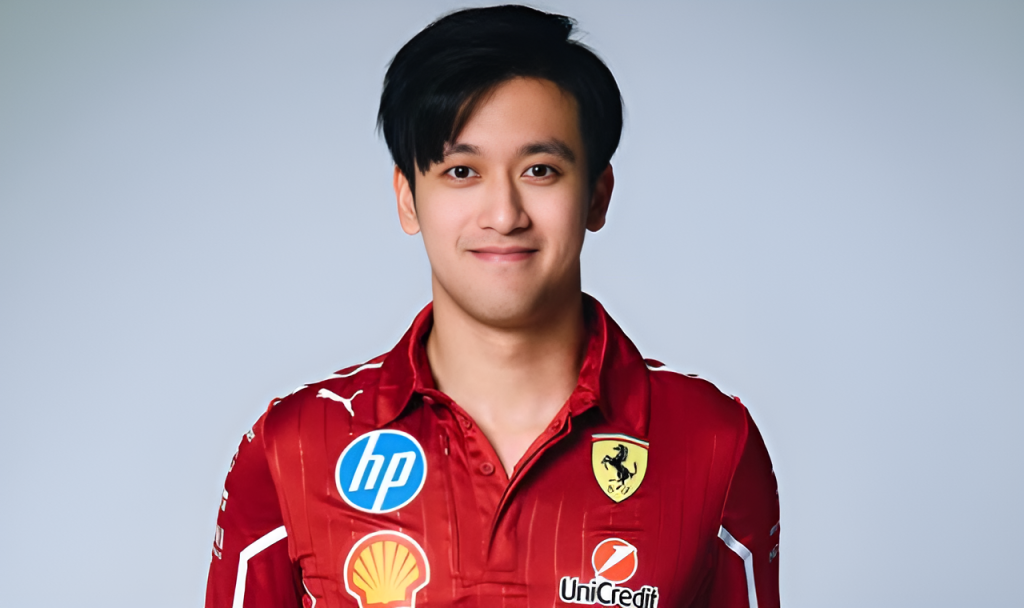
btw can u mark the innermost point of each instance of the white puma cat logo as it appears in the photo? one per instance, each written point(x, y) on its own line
point(326, 394)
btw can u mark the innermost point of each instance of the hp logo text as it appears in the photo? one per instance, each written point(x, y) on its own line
point(381, 471)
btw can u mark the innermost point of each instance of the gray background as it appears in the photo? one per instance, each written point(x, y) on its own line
point(819, 207)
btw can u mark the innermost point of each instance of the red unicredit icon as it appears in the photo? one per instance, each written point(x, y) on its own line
point(615, 561)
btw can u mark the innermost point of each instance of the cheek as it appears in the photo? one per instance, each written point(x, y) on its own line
point(441, 227)
point(561, 219)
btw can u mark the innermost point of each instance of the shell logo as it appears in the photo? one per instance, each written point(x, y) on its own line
point(386, 569)
point(614, 560)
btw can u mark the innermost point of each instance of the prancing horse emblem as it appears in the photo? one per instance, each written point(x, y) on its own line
point(623, 474)
point(620, 464)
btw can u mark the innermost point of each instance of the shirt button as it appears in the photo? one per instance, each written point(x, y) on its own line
point(486, 468)
point(467, 423)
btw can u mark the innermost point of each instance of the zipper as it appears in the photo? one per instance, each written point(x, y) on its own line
point(453, 520)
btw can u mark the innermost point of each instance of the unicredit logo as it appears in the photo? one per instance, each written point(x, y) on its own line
point(615, 561)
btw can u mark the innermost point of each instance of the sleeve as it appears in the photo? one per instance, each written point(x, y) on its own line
point(250, 567)
point(747, 571)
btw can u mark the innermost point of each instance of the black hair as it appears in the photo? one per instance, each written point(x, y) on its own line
point(436, 80)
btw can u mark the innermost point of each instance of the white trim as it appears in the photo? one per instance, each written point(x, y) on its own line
point(616, 436)
point(663, 368)
point(336, 376)
point(355, 371)
point(248, 553)
point(748, 562)
point(311, 596)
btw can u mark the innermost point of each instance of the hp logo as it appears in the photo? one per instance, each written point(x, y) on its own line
point(382, 471)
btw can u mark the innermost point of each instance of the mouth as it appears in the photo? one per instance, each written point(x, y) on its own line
point(503, 254)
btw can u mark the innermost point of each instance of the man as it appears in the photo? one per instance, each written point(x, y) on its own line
point(513, 449)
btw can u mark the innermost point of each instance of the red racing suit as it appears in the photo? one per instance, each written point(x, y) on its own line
point(372, 489)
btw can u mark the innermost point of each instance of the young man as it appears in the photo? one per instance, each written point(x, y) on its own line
point(514, 448)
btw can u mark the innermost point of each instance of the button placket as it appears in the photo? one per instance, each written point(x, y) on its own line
point(477, 492)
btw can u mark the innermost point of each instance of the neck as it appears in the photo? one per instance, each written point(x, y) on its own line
point(511, 380)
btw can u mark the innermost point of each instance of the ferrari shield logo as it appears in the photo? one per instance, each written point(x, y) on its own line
point(620, 464)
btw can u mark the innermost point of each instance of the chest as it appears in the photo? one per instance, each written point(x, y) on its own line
point(422, 512)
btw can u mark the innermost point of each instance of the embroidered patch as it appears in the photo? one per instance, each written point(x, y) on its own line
point(615, 561)
point(386, 569)
point(620, 464)
point(381, 471)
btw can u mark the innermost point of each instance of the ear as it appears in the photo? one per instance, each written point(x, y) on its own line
point(599, 199)
point(406, 203)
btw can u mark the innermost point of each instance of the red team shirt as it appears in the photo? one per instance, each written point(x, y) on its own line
point(372, 489)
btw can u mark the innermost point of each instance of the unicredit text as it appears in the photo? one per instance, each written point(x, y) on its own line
point(606, 593)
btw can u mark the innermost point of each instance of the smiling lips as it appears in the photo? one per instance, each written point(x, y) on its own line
point(502, 254)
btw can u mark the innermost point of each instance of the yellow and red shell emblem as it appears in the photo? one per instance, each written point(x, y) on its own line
point(386, 569)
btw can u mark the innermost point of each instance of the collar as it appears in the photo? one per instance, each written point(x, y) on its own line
point(613, 376)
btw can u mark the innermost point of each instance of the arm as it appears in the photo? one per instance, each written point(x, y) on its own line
point(747, 573)
point(250, 567)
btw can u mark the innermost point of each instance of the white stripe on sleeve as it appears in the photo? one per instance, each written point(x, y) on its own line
point(748, 562)
point(248, 553)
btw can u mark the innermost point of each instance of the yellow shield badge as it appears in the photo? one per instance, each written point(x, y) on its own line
point(620, 464)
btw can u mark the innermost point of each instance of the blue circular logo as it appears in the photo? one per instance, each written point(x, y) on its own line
point(381, 471)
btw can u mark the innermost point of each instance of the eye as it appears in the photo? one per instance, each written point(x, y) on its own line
point(540, 171)
point(461, 172)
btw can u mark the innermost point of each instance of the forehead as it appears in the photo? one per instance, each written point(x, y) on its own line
point(522, 109)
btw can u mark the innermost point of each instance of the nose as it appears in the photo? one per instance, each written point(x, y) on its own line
point(502, 209)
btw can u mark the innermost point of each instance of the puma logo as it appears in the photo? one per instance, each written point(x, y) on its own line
point(326, 394)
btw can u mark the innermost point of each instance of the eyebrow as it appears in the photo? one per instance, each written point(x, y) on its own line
point(451, 149)
point(555, 147)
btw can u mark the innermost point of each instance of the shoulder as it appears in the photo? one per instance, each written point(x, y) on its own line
point(348, 393)
point(693, 407)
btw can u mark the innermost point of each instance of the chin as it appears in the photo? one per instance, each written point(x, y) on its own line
point(504, 310)
point(503, 306)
